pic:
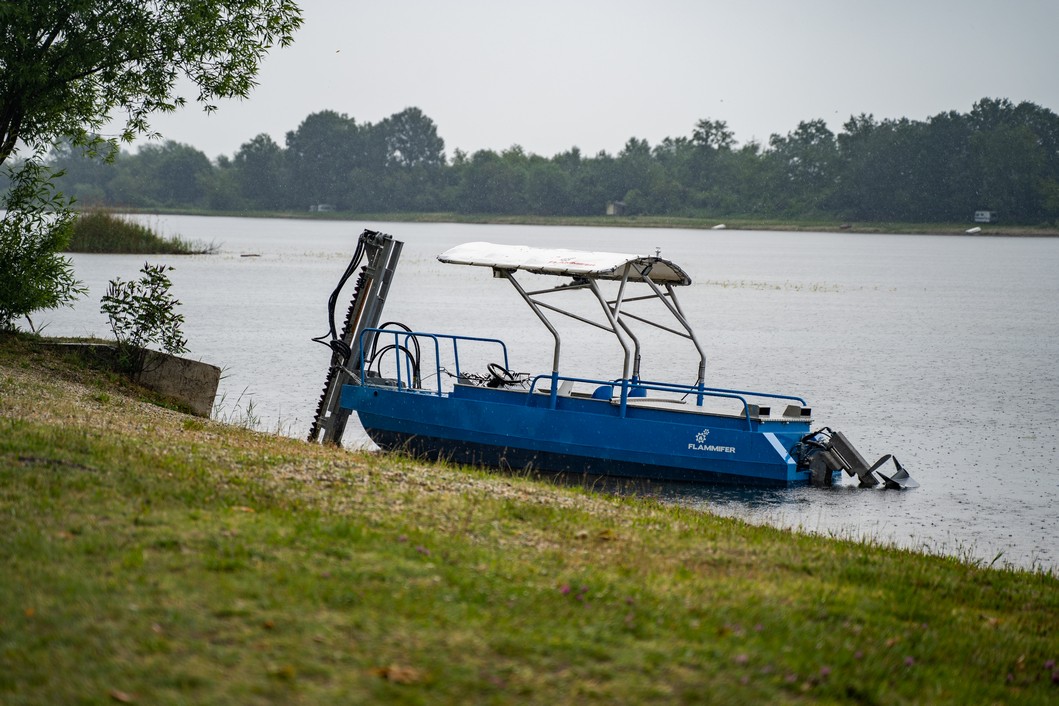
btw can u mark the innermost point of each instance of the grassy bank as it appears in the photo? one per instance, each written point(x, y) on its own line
point(703, 223)
point(158, 558)
point(101, 231)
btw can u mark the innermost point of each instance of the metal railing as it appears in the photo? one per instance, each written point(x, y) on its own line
point(627, 386)
point(408, 366)
point(405, 341)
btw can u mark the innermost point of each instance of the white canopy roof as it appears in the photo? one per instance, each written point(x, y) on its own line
point(560, 261)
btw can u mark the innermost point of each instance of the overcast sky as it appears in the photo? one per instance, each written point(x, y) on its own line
point(552, 74)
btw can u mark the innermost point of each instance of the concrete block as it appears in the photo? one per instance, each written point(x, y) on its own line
point(192, 382)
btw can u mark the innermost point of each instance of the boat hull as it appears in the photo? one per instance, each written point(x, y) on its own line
point(521, 430)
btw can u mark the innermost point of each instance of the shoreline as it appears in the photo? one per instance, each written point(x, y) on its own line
point(690, 223)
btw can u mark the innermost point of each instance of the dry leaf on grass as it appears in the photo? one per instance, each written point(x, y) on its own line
point(399, 674)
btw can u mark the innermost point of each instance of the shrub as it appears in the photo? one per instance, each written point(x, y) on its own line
point(141, 313)
point(34, 227)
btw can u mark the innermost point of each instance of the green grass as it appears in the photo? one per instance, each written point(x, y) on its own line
point(101, 231)
point(154, 557)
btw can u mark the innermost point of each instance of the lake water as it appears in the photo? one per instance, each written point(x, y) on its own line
point(943, 350)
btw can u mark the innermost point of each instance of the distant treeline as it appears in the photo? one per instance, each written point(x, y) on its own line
point(1000, 157)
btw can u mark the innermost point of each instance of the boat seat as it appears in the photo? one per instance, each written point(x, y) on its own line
point(606, 392)
point(565, 389)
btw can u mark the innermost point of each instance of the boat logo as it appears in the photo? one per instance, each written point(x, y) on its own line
point(701, 444)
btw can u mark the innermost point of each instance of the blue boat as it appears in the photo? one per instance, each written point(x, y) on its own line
point(416, 391)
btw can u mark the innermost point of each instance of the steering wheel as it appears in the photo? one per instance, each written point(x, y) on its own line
point(501, 375)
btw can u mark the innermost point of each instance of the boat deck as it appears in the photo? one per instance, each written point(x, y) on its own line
point(712, 406)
